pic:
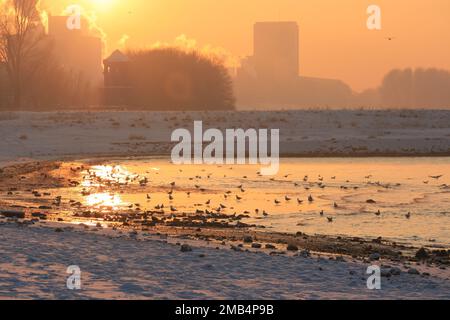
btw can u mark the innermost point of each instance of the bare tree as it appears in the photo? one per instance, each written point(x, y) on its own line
point(21, 32)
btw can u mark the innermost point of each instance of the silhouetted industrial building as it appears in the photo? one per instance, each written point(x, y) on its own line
point(276, 50)
point(76, 50)
point(270, 77)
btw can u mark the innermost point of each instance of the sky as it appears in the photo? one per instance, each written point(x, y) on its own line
point(334, 39)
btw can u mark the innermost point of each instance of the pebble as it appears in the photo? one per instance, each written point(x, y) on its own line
point(413, 271)
point(375, 256)
point(185, 248)
point(248, 239)
point(395, 271)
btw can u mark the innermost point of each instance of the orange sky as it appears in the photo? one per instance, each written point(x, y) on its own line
point(334, 39)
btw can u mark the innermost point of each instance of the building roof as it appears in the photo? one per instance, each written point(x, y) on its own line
point(117, 56)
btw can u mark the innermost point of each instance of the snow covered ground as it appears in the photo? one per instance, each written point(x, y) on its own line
point(357, 132)
point(34, 261)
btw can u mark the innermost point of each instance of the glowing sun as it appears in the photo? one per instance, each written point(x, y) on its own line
point(102, 4)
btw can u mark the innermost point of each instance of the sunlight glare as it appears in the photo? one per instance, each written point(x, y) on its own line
point(104, 199)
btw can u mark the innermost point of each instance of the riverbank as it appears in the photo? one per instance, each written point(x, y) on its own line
point(35, 259)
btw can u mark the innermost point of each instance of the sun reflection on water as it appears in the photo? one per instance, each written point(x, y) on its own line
point(101, 174)
point(104, 199)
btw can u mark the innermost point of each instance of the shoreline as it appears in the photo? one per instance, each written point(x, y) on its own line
point(130, 266)
point(122, 156)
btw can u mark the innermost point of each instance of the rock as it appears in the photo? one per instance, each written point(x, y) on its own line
point(13, 214)
point(39, 215)
point(248, 239)
point(270, 246)
point(185, 248)
point(413, 271)
point(59, 230)
point(386, 273)
point(375, 256)
point(235, 248)
point(395, 271)
point(305, 254)
point(256, 246)
point(422, 254)
point(292, 247)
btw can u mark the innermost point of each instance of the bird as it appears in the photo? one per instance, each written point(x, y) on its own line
point(238, 198)
point(336, 205)
point(378, 213)
point(310, 199)
point(287, 198)
point(148, 197)
point(437, 177)
point(330, 219)
point(299, 201)
point(322, 213)
point(390, 38)
point(408, 215)
point(277, 202)
point(208, 202)
point(173, 209)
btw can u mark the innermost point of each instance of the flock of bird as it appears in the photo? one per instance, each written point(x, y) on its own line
point(239, 196)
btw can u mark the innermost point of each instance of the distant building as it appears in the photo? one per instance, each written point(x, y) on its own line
point(270, 77)
point(276, 50)
point(116, 79)
point(76, 50)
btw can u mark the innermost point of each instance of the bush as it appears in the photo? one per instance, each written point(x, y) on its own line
point(172, 79)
